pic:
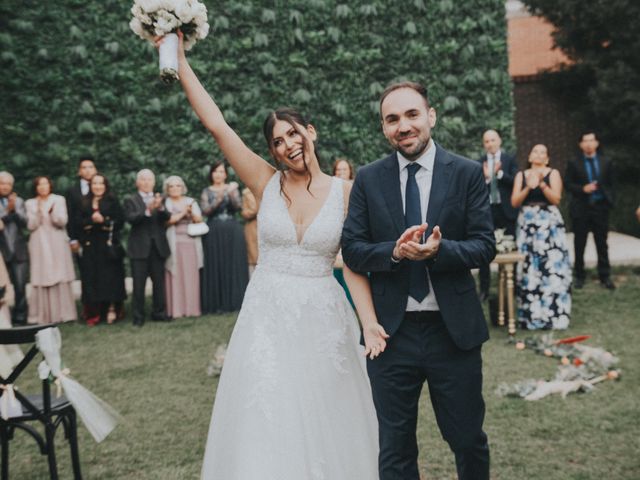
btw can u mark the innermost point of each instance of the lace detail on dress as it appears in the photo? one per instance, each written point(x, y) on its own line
point(277, 239)
point(293, 394)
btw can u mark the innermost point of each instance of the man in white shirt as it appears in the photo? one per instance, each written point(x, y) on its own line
point(499, 170)
point(418, 222)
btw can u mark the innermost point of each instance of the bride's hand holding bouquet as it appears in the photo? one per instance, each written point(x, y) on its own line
point(153, 19)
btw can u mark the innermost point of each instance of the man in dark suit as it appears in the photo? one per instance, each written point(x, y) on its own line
point(74, 197)
point(589, 178)
point(499, 170)
point(148, 247)
point(13, 244)
point(423, 292)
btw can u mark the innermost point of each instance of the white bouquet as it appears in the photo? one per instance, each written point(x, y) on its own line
point(163, 18)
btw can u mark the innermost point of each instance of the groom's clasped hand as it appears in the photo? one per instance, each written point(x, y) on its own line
point(411, 244)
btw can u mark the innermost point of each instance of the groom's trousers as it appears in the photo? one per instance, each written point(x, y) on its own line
point(422, 351)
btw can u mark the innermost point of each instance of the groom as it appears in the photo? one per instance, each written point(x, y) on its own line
point(423, 291)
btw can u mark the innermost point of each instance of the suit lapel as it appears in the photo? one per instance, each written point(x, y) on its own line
point(390, 181)
point(442, 170)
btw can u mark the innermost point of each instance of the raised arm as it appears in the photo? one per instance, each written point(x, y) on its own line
point(253, 170)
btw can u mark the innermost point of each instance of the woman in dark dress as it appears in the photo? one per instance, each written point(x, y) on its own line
point(225, 274)
point(544, 278)
point(102, 263)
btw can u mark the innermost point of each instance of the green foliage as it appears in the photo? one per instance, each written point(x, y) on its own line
point(602, 86)
point(78, 80)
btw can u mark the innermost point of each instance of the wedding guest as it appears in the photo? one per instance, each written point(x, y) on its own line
point(589, 178)
point(51, 299)
point(13, 244)
point(343, 169)
point(250, 214)
point(182, 267)
point(102, 261)
point(74, 197)
point(544, 278)
point(147, 248)
point(499, 168)
point(10, 355)
point(226, 274)
point(7, 295)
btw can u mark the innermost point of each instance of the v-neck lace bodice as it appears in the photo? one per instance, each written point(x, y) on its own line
point(278, 243)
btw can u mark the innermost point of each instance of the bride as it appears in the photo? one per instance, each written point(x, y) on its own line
point(294, 400)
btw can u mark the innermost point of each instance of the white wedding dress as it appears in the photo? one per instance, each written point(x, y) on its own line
point(294, 401)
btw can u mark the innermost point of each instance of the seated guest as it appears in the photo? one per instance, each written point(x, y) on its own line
point(147, 248)
point(544, 278)
point(51, 299)
point(102, 261)
point(182, 267)
point(250, 214)
point(13, 244)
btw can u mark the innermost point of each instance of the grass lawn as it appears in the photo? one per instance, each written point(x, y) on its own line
point(156, 378)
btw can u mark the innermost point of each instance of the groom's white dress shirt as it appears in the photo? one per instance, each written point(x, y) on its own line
point(424, 176)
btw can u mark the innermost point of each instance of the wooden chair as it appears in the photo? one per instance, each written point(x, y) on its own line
point(38, 409)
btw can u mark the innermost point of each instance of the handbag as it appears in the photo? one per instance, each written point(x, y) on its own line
point(115, 251)
point(197, 229)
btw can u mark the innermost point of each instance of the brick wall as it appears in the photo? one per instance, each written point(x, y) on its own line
point(541, 118)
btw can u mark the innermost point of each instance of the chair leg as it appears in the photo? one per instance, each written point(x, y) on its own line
point(73, 443)
point(51, 452)
point(4, 439)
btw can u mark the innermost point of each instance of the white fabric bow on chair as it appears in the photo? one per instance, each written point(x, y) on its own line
point(99, 417)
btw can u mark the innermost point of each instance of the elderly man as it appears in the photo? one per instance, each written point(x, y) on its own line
point(13, 244)
point(499, 170)
point(148, 247)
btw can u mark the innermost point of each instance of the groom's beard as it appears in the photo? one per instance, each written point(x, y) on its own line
point(415, 151)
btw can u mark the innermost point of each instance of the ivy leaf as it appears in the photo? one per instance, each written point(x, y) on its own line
point(343, 11)
point(410, 28)
point(268, 16)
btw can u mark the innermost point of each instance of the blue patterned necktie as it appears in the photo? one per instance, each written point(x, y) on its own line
point(418, 285)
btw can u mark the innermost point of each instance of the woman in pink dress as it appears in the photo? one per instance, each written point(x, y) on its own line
point(182, 268)
point(51, 267)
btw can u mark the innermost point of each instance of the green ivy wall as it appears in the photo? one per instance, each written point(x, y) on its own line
point(76, 79)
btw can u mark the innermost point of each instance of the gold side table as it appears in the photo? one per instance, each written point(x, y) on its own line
point(506, 287)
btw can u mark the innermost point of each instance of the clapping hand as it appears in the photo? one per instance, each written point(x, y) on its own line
point(375, 339)
point(97, 217)
point(532, 180)
point(410, 244)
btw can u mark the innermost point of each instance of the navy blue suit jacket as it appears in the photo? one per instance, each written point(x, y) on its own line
point(459, 204)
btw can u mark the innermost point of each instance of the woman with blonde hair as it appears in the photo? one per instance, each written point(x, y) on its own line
point(544, 278)
point(182, 267)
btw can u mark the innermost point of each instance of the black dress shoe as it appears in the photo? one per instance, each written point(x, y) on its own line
point(138, 323)
point(579, 283)
point(608, 284)
point(483, 296)
point(162, 318)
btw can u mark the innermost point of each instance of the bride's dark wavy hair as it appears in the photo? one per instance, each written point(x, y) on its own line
point(292, 117)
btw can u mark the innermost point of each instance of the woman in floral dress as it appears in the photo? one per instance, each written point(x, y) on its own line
point(544, 278)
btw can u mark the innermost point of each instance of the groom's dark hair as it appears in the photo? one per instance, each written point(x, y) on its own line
point(418, 87)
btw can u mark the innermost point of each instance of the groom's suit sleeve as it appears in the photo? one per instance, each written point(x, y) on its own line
point(358, 251)
point(478, 245)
